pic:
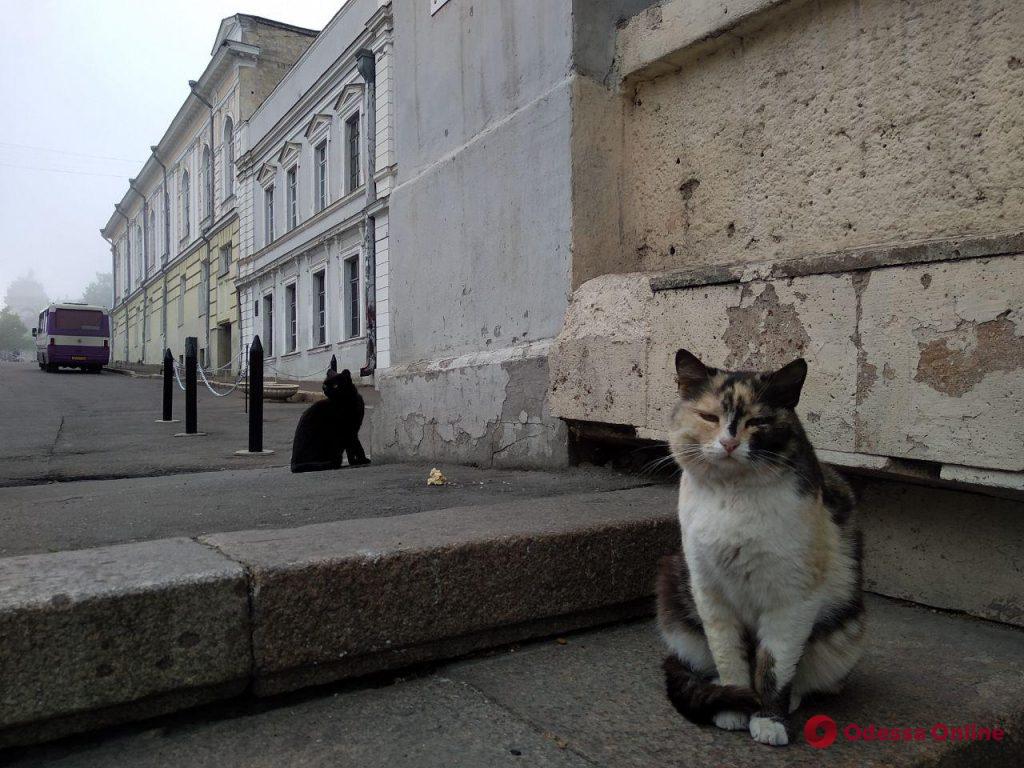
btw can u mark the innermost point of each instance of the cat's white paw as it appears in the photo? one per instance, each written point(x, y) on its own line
point(768, 731)
point(794, 702)
point(732, 721)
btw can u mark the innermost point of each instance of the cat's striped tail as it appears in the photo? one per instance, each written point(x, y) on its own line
point(698, 699)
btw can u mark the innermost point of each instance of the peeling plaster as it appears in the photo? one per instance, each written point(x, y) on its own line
point(955, 370)
point(765, 332)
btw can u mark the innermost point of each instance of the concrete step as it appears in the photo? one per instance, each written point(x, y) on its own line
point(595, 698)
point(98, 636)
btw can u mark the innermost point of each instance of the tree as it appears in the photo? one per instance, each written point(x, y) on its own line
point(100, 291)
point(14, 336)
point(26, 298)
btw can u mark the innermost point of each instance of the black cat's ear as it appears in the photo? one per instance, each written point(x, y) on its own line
point(691, 373)
point(334, 364)
point(782, 388)
point(346, 375)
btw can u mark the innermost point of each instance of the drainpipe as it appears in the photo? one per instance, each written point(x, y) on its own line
point(366, 63)
point(145, 265)
point(128, 273)
point(213, 165)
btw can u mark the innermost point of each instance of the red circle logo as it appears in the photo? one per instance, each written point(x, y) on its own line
point(820, 731)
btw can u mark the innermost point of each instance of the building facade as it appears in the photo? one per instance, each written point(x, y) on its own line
point(175, 234)
point(315, 177)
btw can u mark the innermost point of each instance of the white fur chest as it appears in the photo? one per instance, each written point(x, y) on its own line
point(747, 543)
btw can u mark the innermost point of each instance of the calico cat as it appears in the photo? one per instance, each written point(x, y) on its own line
point(330, 428)
point(763, 605)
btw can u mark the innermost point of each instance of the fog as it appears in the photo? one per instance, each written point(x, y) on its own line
point(86, 87)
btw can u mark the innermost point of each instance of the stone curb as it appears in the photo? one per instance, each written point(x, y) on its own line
point(94, 637)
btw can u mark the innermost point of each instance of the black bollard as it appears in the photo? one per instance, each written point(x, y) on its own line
point(168, 384)
point(256, 396)
point(191, 347)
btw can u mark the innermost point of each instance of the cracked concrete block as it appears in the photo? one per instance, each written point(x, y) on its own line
point(91, 630)
point(944, 344)
point(342, 599)
point(469, 410)
point(760, 326)
point(599, 361)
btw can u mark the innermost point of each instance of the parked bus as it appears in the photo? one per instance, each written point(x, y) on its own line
point(73, 336)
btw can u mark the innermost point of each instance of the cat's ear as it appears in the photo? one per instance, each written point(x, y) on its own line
point(346, 375)
point(691, 373)
point(782, 388)
point(334, 364)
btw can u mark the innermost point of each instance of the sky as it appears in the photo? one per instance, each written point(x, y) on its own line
point(86, 86)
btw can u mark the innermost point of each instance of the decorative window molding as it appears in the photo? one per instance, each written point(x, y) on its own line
point(289, 154)
point(320, 123)
point(351, 96)
point(267, 174)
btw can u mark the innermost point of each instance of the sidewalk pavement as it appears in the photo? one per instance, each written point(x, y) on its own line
point(591, 699)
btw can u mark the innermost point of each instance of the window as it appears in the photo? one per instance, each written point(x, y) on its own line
point(292, 204)
point(167, 224)
point(205, 198)
point(320, 167)
point(181, 300)
point(352, 296)
point(204, 286)
point(268, 325)
point(225, 260)
point(185, 193)
point(151, 242)
point(268, 215)
point(229, 158)
point(352, 137)
point(291, 318)
point(319, 308)
point(139, 263)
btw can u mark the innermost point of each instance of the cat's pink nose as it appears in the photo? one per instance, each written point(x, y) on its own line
point(729, 443)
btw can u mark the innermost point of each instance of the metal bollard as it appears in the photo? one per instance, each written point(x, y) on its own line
point(191, 393)
point(256, 396)
point(168, 398)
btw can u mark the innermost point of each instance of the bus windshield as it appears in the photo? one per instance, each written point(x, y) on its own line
point(77, 320)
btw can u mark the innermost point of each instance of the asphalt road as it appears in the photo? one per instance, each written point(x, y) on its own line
point(72, 425)
point(82, 464)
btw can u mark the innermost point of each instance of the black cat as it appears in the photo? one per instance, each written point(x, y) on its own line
point(330, 428)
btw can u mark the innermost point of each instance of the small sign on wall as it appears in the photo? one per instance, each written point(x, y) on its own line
point(436, 5)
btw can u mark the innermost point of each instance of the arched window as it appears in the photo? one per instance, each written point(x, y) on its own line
point(140, 264)
point(229, 158)
point(205, 198)
point(185, 194)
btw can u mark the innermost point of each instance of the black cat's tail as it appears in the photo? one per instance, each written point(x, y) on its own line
point(698, 699)
point(313, 466)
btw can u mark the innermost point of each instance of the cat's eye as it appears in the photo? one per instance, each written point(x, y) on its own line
point(758, 421)
point(708, 417)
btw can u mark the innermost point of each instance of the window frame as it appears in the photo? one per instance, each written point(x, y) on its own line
point(182, 290)
point(291, 316)
point(321, 174)
point(185, 194)
point(318, 305)
point(291, 197)
point(268, 322)
point(228, 156)
point(268, 214)
point(352, 295)
point(352, 128)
